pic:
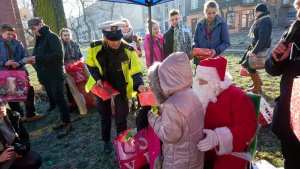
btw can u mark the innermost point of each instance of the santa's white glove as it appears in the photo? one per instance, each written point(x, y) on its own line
point(209, 142)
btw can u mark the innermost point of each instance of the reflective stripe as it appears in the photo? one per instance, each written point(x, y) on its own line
point(133, 63)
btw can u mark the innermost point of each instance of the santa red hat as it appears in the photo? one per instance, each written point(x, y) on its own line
point(212, 68)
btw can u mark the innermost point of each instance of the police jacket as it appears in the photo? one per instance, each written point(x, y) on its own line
point(99, 61)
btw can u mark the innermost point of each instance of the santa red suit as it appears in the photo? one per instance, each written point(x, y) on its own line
point(230, 122)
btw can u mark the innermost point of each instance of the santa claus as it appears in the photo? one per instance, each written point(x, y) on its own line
point(230, 122)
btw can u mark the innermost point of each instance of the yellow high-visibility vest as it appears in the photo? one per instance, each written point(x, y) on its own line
point(129, 67)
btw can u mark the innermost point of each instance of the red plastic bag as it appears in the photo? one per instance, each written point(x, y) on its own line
point(132, 151)
point(146, 99)
point(14, 85)
point(202, 53)
point(104, 92)
point(75, 69)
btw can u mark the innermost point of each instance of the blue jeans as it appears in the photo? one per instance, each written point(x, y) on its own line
point(55, 90)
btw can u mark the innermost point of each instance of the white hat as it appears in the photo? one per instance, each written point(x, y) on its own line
point(111, 25)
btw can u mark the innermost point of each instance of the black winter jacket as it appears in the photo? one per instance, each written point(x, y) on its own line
point(262, 35)
point(288, 69)
point(49, 54)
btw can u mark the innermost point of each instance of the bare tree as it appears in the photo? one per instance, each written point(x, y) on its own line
point(85, 18)
point(74, 26)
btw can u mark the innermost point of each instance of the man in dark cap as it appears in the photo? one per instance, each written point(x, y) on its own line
point(12, 53)
point(114, 61)
point(48, 59)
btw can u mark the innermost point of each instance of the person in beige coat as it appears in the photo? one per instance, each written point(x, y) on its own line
point(179, 122)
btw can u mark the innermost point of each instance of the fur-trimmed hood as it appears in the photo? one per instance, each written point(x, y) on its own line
point(173, 74)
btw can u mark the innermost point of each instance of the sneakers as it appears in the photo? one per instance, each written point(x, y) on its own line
point(107, 147)
point(65, 130)
point(33, 118)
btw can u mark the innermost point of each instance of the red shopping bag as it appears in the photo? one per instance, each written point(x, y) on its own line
point(132, 150)
point(105, 92)
point(146, 99)
point(75, 69)
point(266, 113)
point(202, 53)
point(14, 85)
point(153, 145)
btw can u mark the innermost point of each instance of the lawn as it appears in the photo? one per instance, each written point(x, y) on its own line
point(82, 148)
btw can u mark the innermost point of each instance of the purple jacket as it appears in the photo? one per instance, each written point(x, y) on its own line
point(158, 55)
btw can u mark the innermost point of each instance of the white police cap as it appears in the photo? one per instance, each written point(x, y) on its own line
point(111, 25)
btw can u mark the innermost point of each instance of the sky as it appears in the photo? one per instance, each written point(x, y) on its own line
point(71, 6)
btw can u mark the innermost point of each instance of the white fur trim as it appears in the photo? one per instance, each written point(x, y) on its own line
point(227, 82)
point(225, 141)
point(206, 73)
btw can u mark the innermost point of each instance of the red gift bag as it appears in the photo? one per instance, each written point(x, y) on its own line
point(105, 92)
point(266, 113)
point(75, 69)
point(77, 80)
point(202, 53)
point(146, 99)
point(153, 145)
point(14, 85)
point(132, 150)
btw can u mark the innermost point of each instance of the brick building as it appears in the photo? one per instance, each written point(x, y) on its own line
point(9, 13)
point(239, 14)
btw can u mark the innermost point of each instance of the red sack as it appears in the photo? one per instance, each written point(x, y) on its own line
point(104, 92)
point(14, 85)
point(146, 99)
point(75, 69)
point(244, 72)
point(132, 150)
point(202, 53)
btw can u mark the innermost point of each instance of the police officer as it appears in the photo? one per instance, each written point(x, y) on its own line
point(111, 59)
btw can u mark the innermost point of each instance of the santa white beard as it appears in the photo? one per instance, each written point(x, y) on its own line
point(206, 93)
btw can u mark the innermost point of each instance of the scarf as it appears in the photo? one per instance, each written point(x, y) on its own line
point(251, 31)
point(128, 34)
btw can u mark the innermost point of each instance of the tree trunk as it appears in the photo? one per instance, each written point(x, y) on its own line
point(52, 13)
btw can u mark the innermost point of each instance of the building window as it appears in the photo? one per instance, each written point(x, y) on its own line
point(194, 4)
point(247, 18)
point(231, 20)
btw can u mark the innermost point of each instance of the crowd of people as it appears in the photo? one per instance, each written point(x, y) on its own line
point(203, 121)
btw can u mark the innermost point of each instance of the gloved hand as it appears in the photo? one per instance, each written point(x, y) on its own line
point(209, 142)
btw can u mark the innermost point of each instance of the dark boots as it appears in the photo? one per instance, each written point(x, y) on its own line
point(257, 83)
